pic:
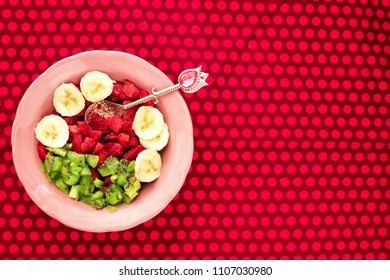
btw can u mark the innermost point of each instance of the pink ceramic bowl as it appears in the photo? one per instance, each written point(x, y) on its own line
point(155, 196)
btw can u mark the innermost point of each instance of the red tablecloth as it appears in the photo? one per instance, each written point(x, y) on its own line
point(291, 155)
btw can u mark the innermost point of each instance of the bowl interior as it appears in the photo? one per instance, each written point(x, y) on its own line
point(37, 102)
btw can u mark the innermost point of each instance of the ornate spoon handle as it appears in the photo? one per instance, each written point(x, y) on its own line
point(190, 81)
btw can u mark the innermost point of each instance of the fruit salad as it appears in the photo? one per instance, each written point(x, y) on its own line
point(105, 162)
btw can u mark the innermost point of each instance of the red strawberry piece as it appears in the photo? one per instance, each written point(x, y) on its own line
point(71, 120)
point(84, 127)
point(128, 127)
point(98, 123)
point(132, 153)
point(74, 130)
point(107, 180)
point(95, 173)
point(115, 149)
point(54, 112)
point(116, 123)
point(95, 134)
point(130, 90)
point(42, 152)
point(123, 139)
point(87, 131)
point(77, 141)
point(88, 144)
point(98, 147)
point(103, 154)
point(133, 142)
point(129, 114)
point(143, 93)
point(117, 92)
point(112, 136)
point(104, 189)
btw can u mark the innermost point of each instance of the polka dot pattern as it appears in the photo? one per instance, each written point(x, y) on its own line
point(291, 157)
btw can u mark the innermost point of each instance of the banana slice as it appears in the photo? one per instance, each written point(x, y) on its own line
point(52, 131)
point(68, 100)
point(147, 166)
point(159, 142)
point(148, 122)
point(96, 86)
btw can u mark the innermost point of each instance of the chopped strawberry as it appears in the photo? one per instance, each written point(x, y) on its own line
point(95, 134)
point(88, 144)
point(130, 90)
point(104, 189)
point(84, 127)
point(128, 127)
point(74, 130)
point(98, 147)
point(116, 123)
point(77, 141)
point(143, 93)
point(133, 142)
point(71, 120)
point(129, 114)
point(98, 123)
point(132, 153)
point(107, 180)
point(87, 131)
point(123, 139)
point(111, 136)
point(95, 173)
point(103, 154)
point(115, 149)
point(42, 152)
point(117, 92)
point(54, 112)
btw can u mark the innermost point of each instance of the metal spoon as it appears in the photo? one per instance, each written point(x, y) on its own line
point(189, 81)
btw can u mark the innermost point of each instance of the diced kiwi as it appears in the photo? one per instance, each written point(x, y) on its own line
point(92, 160)
point(113, 198)
point(98, 183)
point(98, 203)
point(85, 184)
point(113, 178)
point(85, 171)
point(74, 168)
point(97, 195)
point(130, 167)
point(60, 183)
point(76, 158)
point(126, 199)
point(111, 208)
point(74, 192)
point(71, 173)
point(133, 196)
point(58, 151)
point(104, 171)
point(131, 188)
point(85, 198)
point(54, 175)
point(70, 179)
point(121, 179)
point(52, 163)
point(112, 163)
point(114, 194)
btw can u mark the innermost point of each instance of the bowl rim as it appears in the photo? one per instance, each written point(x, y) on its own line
point(42, 76)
